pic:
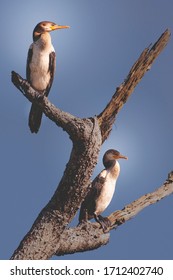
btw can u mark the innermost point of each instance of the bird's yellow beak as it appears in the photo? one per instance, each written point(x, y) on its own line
point(121, 156)
point(55, 27)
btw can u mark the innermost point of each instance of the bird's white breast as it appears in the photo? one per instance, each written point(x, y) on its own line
point(108, 188)
point(39, 66)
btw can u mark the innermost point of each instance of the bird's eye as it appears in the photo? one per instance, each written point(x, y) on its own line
point(44, 24)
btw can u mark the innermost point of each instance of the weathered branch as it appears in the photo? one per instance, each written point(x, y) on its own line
point(87, 136)
point(76, 127)
point(90, 236)
point(41, 240)
point(123, 92)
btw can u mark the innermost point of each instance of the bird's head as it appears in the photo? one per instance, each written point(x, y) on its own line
point(46, 26)
point(111, 156)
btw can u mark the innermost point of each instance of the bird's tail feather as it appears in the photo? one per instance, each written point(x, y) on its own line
point(35, 116)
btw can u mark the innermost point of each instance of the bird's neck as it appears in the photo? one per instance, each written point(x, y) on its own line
point(114, 169)
point(43, 40)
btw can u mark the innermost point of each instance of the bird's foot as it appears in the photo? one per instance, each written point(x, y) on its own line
point(39, 96)
point(103, 221)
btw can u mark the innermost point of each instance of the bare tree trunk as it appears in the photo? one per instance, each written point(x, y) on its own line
point(48, 235)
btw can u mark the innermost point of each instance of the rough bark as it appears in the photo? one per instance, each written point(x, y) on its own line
point(41, 240)
point(87, 136)
point(107, 117)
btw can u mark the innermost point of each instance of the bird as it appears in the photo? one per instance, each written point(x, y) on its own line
point(40, 67)
point(101, 191)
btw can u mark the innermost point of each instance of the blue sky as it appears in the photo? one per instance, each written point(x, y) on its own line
point(93, 58)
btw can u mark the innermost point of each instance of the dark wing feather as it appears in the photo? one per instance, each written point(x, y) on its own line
point(88, 205)
point(52, 66)
point(29, 58)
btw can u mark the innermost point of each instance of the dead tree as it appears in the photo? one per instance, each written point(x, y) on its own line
point(49, 235)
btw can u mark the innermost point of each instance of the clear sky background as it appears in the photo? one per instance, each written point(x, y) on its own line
point(93, 58)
